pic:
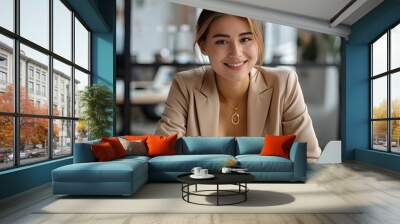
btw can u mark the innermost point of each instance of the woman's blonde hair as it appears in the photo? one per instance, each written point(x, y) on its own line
point(207, 17)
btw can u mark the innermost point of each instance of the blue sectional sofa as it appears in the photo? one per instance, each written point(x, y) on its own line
point(125, 176)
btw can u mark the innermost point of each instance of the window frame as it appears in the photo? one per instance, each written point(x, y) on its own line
point(388, 74)
point(16, 114)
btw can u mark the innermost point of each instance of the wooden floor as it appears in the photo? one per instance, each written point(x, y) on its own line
point(379, 188)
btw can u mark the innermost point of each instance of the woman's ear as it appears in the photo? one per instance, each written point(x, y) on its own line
point(203, 47)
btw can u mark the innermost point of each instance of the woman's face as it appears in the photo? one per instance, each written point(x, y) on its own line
point(231, 47)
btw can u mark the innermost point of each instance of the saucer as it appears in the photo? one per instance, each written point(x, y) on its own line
point(208, 176)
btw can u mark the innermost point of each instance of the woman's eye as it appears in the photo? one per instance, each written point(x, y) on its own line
point(220, 42)
point(246, 39)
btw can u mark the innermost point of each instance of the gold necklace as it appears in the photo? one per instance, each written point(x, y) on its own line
point(235, 118)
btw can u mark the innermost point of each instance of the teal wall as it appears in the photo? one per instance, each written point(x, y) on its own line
point(99, 16)
point(355, 111)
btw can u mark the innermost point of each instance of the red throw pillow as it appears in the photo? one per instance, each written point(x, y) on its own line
point(116, 145)
point(161, 145)
point(277, 145)
point(103, 151)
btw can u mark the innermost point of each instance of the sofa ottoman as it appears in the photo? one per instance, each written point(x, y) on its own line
point(118, 177)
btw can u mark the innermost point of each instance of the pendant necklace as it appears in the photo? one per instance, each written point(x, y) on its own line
point(235, 118)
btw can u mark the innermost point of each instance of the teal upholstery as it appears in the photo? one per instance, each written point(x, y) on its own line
point(184, 163)
point(259, 163)
point(119, 177)
point(249, 145)
point(83, 152)
point(207, 145)
point(125, 176)
point(298, 155)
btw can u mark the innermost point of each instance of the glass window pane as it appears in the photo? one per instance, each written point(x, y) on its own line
point(7, 14)
point(34, 97)
point(379, 135)
point(81, 81)
point(35, 21)
point(62, 138)
point(379, 56)
point(395, 94)
point(379, 98)
point(6, 74)
point(33, 139)
point(62, 29)
point(81, 45)
point(62, 89)
point(81, 132)
point(395, 47)
point(395, 136)
point(6, 142)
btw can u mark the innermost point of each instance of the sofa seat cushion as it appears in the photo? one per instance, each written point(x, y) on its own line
point(111, 171)
point(257, 163)
point(184, 163)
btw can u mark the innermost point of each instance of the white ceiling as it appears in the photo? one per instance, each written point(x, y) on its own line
point(314, 15)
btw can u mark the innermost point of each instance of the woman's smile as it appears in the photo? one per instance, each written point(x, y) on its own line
point(237, 65)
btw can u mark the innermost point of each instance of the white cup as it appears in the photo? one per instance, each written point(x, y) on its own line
point(203, 172)
point(196, 170)
point(226, 170)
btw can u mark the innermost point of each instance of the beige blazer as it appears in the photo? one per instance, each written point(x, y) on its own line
point(275, 106)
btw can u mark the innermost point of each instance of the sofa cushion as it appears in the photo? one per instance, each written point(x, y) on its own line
point(185, 163)
point(116, 145)
point(206, 145)
point(161, 145)
point(103, 152)
point(134, 147)
point(249, 145)
point(277, 145)
point(257, 163)
point(111, 171)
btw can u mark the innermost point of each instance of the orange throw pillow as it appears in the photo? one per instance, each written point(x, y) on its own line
point(277, 145)
point(103, 151)
point(116, 145)
point(161, 145)
point(135, 137)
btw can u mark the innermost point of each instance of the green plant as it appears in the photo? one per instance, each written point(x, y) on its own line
point(96, 103)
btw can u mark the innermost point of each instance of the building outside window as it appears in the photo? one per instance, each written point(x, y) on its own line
point(30, 72)
point(56, 134)
point(385, 91)
point(3, 72)
point(30, 87)
point(43, 90)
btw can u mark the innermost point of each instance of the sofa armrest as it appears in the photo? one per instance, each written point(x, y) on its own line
point(83, 152)
point(298, 155)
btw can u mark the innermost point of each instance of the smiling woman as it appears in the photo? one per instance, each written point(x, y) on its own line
point(235, 96)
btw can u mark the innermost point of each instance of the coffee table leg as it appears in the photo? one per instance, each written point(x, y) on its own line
point(245, 191)
point(217, 194)
point(196, 188)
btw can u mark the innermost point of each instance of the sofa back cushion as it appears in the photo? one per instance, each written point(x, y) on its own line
point(206, 145)
point(249, 145)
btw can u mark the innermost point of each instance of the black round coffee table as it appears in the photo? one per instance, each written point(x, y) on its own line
point(238, 179)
